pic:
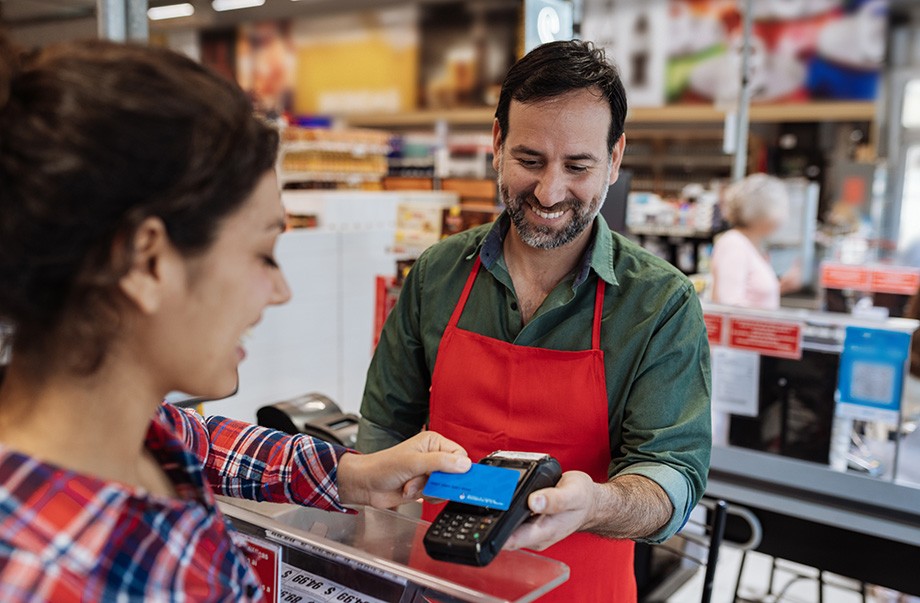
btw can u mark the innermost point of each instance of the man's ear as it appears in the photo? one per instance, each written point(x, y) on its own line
point(616, 157)
point(496, 144)
point(149, 256)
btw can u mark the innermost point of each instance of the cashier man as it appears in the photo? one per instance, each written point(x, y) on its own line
point(547, 332)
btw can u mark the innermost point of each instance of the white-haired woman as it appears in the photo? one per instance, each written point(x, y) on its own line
point(755, 207)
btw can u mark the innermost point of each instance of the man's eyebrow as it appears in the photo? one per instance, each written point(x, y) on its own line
point(582, 157)
point(524, 150)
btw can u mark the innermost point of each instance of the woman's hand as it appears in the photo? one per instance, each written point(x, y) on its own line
point(791, 281)
point(397, 475)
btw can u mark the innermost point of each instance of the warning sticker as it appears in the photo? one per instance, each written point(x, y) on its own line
point(767, 337)
point(895, 280)
point(714, 328)
point(901, 280)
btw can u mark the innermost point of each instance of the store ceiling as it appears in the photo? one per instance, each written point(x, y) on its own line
point(38, 23)
point(32, 12)
point(25, 13)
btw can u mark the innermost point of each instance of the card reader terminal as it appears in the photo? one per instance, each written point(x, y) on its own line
point(473, 535)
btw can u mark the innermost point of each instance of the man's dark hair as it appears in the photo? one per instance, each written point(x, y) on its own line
point(557, 68)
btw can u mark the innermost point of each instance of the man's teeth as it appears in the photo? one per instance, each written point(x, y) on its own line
point(245, 336)
point(547, 216)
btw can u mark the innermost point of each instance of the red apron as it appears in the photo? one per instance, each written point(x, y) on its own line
point(487, 394)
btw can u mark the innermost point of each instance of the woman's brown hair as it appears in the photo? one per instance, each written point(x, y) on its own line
point(95, 137)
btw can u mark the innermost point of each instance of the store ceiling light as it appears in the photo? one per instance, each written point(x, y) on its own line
point(222, 5)
point(170, 11)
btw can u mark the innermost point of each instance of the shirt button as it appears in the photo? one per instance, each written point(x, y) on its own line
point(514, 306)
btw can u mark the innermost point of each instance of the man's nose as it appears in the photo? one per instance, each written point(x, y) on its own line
point(551, 189)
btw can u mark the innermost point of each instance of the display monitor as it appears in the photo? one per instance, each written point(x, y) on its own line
point(614, 209)
point(796, 409)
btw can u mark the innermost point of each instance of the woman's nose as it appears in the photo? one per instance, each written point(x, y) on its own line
point(282, 292)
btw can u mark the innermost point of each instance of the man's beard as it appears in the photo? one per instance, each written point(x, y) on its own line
point(583, 214)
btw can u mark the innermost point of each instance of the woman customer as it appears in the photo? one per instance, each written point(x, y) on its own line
point(138, 215)
point(756, 207)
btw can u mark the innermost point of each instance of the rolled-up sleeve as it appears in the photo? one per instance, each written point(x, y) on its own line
point(666, 430)
point(247, 461)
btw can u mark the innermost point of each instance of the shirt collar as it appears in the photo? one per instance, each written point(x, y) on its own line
point(598, 256)
point(181, 466)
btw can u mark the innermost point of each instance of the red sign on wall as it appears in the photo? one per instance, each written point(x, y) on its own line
point(385, 300)
point(844, 276)
point(902, 281)
point(767, 337)
point(715, 328)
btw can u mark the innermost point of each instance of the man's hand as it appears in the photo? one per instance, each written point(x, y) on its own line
point(397, 475)
point(560, 511)
point(628, 506)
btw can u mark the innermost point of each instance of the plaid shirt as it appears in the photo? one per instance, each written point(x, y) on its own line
point(66, 536)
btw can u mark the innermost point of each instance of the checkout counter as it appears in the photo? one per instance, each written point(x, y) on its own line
point(844, 523)
point(795, 455)
point(306, 555)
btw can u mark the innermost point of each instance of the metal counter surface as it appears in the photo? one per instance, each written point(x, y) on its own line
point(816, 493)
point(388, 544)
point(852, 525)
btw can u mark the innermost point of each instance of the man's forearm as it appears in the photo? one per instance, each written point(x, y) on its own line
point(629, 506)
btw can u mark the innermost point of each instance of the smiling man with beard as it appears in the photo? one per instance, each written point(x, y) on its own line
point(547, 332)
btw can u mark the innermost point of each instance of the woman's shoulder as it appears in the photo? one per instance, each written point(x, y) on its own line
point(732, 237)
point(51, 517)
point(87, 528)
point(733, 242)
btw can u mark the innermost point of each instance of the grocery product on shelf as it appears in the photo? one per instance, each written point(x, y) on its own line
point(333, 158)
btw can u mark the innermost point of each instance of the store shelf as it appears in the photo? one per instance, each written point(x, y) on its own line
point(679, 161)
point(343, 177)
point(682, 232)
point(479, 116)
point(828, 111)
point(790, 112)
point(317, 146)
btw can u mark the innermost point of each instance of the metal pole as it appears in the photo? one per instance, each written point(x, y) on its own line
point(136, 20)
point(112, 21)
point(739, 168)
point(122, 20)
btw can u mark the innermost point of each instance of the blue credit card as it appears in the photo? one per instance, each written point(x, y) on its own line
point(482, 486)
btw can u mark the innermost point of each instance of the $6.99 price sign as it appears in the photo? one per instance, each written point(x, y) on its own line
point(300, 586)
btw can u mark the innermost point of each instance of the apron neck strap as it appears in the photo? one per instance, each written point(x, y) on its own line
point(598, 314)
point(458, 309)
point(598, 304)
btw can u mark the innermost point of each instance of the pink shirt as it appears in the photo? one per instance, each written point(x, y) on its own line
point(741, 275)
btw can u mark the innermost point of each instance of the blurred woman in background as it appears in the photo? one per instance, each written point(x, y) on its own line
point(756, 207)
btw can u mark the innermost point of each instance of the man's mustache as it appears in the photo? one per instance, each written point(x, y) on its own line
point(532, 200)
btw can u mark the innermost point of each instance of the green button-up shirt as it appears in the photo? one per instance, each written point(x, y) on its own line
point(656, 354)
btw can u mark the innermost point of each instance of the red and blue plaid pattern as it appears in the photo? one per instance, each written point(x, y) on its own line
point(66, 536)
